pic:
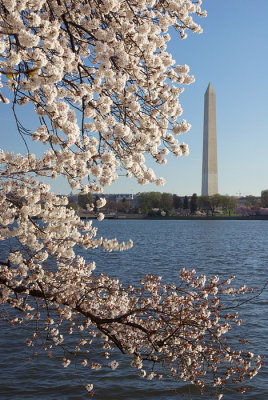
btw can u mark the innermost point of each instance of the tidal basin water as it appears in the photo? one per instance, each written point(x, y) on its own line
point(160, 248)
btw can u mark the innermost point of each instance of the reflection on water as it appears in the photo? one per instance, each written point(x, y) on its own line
point(162, 248)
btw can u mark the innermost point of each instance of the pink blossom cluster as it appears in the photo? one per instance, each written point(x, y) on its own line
point(254, 210)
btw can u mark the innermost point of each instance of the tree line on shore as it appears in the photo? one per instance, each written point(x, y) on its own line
point(157, 203)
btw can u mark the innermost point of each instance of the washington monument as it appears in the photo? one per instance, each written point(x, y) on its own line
point(209, 167)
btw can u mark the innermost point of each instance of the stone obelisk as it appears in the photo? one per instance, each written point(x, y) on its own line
point(210, 165)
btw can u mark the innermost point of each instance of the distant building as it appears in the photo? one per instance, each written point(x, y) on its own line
point(131, 199)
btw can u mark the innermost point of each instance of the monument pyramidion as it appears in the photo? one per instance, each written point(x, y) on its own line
point(210, 164)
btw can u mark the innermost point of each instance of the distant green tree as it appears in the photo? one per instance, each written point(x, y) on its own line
point(229, 204)
point(193, 203)
point(111, 205)
point(144, 203)
point(123, 205)
point(210, 204)
point(84, 199)
point(149, 200)
point(251, 201)
point(177, 203)
point(155, 198)
point(185, 203)
point(166, 201)
point(215, 202)
point(203, 204)
point(152, 213)
point(73, 205)
point(264, 198)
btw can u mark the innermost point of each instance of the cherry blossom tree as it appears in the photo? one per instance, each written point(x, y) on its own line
point(106, 93)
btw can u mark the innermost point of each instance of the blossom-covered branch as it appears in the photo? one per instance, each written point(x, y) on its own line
point(179, 329)
point(100, 79)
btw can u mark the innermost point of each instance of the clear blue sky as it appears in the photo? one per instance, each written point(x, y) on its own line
point(232, 54)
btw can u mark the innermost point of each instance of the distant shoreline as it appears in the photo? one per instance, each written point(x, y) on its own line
point(179, 217)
